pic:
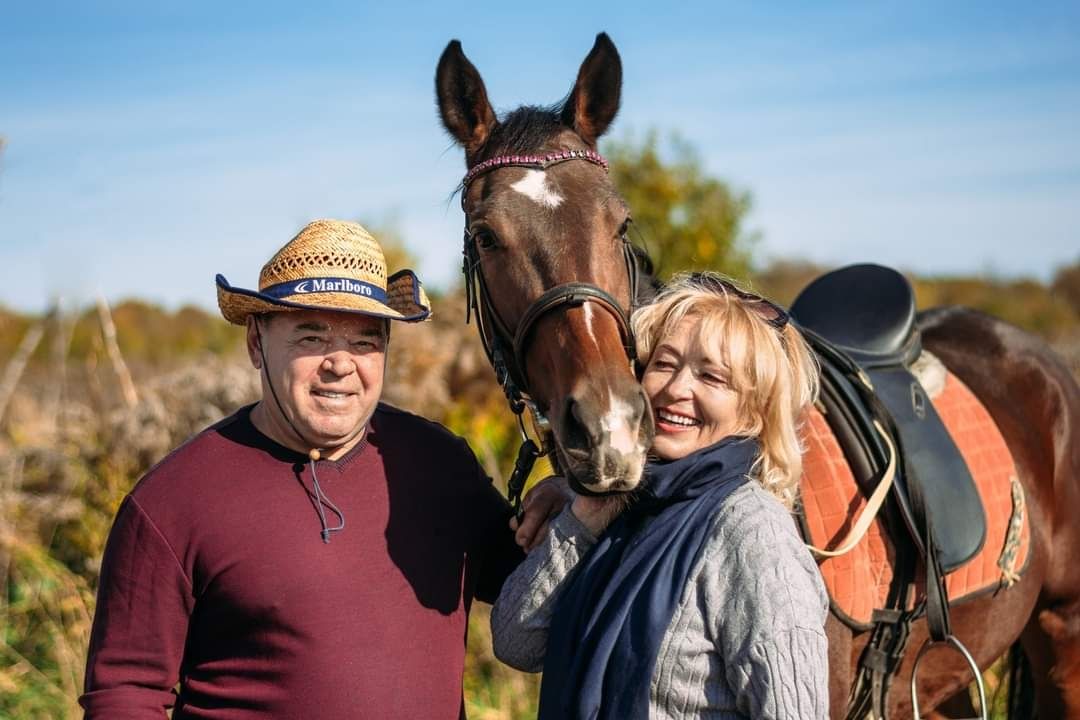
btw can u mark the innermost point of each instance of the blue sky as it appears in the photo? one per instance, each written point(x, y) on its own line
point(151, 145)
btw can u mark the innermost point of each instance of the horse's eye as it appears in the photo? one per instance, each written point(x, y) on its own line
point(625, 227)
point(485, 239)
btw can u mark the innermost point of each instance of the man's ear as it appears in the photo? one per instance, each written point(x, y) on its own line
point(254, 342)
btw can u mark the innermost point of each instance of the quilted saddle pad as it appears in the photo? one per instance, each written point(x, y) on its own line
point(858, 582)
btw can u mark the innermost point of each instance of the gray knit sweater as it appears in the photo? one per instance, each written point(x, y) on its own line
point(747, 639)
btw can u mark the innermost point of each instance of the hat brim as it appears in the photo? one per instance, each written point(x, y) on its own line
point(405, 301)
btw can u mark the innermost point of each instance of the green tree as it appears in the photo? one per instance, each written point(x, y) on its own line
point(687, 219)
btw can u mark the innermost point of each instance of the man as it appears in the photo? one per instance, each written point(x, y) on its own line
point(313, 555)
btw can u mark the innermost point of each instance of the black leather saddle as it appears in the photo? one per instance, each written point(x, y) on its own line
point(861, 318)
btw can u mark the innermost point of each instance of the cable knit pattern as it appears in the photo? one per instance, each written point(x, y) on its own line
point(522, 614)
point(747, 639)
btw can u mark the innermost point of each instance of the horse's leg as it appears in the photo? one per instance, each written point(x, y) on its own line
point(1052, 644)
point(987, 626)
point(958, 706)
point(841, 669)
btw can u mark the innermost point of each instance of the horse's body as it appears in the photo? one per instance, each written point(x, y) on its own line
point(1035, 403)
point(539, 229)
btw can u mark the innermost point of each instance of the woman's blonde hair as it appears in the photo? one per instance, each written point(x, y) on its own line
point(773, 371)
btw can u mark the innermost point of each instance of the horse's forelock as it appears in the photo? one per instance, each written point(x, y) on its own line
point(524, 130)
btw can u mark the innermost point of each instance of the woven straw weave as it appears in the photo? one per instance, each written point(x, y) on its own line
point(329, 249)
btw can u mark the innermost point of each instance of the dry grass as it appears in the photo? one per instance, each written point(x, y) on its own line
point(71, 447)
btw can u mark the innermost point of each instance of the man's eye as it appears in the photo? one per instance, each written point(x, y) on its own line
point(310, 340)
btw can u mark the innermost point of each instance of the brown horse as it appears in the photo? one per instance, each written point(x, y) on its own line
point(529, 231)
point(537, 228)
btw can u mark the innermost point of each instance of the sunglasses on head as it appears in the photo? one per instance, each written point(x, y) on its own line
point(769, 311)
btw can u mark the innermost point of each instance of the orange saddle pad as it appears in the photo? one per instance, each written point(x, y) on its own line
point(858, 581)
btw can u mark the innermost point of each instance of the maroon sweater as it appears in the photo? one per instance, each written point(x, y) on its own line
point(216, 582)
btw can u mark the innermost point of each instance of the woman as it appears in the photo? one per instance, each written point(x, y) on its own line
point(698, 599)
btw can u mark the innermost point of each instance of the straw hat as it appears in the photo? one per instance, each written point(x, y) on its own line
point(329, 265)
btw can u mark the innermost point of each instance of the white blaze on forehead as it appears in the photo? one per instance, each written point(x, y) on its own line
point(534, 186)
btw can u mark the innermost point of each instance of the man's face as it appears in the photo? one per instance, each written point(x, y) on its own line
point(327, 370)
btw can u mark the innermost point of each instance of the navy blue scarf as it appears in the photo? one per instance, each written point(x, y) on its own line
point(610, 618)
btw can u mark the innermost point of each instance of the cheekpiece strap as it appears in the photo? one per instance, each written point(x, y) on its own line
point(540, 162)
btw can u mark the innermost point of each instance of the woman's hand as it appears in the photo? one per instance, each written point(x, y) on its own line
point(596, 513)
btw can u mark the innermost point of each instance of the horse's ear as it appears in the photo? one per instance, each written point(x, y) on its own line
point(594, 101)
point(463, 103)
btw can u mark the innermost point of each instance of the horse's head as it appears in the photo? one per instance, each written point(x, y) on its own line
point(546, 252)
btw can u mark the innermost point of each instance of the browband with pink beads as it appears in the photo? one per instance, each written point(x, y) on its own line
point(540, 162)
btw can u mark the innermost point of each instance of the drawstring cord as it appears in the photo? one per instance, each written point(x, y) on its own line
point(321, 499)
point(313, 456)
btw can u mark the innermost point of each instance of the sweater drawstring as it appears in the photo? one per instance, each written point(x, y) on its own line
point(313, 455)
point(321, 499)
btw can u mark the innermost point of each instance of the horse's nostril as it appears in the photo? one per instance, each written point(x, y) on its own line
point(576, 432)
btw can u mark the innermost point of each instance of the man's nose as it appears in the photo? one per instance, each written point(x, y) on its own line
point(339, 363)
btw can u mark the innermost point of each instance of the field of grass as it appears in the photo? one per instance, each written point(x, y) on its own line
point(90, 411)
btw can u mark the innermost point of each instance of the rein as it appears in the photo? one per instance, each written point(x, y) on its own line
point(506, 346)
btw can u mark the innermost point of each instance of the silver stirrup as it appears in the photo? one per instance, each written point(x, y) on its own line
point(959, 646)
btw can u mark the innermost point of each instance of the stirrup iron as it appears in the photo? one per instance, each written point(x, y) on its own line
point(952, 641)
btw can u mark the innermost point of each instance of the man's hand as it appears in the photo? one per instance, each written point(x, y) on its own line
point(546, 499)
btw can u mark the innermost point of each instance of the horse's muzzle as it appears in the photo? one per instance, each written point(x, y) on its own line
point(603, 437)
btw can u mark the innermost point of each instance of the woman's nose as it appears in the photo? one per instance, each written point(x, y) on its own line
point(681, 384)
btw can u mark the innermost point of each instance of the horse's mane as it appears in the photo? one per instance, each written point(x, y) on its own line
point(524, 130)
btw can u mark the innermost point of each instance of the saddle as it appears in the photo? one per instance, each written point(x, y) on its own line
point(861, 319)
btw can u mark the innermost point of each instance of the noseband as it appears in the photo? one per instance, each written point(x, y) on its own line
point(505, 346)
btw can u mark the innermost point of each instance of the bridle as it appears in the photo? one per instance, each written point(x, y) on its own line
point(506, 346)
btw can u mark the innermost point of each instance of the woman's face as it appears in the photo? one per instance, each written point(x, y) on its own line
point(687, 383)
